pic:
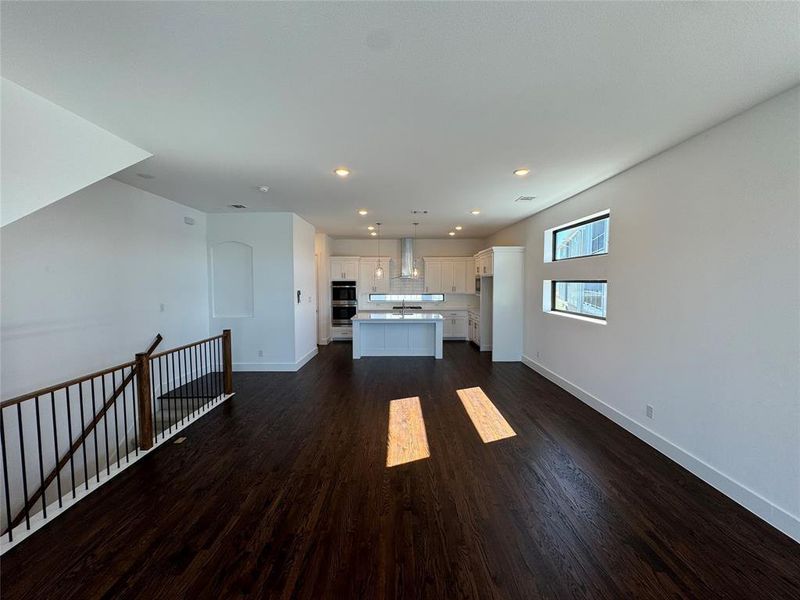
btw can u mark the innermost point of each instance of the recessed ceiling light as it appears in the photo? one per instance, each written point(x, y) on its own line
point(146, 176)
point(459, 228)
point(370, 227)
point(374, 233)
point(362, 211)
point(521, 172)
point(237, 206)
point(263, 188)
point(452, 233)
point(342, 172)
point(476, 212)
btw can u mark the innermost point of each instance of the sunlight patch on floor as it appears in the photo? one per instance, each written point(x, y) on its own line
point(488, 421)
point(407, 440)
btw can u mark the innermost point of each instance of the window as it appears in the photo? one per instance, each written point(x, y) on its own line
point(587, 298)
point(587, 238)
point(406, 297)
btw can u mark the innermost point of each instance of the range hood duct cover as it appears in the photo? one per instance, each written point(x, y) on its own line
point(406, 258)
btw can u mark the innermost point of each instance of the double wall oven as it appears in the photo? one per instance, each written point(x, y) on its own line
point(344, 304)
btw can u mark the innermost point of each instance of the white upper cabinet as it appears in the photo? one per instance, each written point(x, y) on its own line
point(460, 277)
point(470, 268)
point(433, 276)
point(367, 282)
point(451, 275)
point(344, 268)
point(484, 263)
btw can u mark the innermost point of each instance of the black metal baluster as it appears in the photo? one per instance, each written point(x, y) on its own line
point(210, 370)
point(196, 381)
point(135, 407)
point(55, 446)
point(125, 413)
point(153, 395)
point(189, 399)
point(116, 416)
point(203, 382)
point(41, 465)
point(220, 385)
point(161, 396)
point(24, 470)
point(171, 361)
point(83, 445)
point(214, 369)
point(94, 430)
point(105, 426)
point(69, 442)
point(5, 475)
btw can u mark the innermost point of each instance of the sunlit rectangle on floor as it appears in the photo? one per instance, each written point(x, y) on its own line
point(488, 421)
point(407, 440)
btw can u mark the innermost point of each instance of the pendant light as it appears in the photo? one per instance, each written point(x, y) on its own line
point(414, 268)
point(379, 268)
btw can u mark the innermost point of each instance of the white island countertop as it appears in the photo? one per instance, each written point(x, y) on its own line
point(386, 316)
point(395, 334)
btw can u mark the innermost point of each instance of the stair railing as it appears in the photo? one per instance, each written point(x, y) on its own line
point(156, 395)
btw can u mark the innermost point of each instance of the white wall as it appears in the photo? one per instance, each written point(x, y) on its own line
point(83, 281)
point(703, 306)
point(305, 282)
point(279, 331)
point(322, 250)
point(267, 338)
point(48, 152)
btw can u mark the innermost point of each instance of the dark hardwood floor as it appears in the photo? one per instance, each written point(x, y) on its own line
point(283, 492)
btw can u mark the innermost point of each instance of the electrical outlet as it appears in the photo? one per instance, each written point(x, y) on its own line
point(649, 411)
point(537, 354)
point(261, 353)
point(161, 307)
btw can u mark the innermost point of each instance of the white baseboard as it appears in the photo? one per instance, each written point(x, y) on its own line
point(277, 367)
point(752, 501)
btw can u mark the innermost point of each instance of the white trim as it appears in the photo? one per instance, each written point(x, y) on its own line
point(53, 511)
point(309, 355)
point(561, 313)
point(277, 367)
point(752, 501)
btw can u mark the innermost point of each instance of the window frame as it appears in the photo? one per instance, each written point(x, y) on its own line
point(590, 220)
point(554, 282)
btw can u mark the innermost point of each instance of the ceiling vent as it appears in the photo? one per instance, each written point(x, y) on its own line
point(525, 199)
point(237, 205)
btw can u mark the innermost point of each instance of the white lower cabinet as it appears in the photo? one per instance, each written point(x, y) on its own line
point(474, 328)
point(455, 325)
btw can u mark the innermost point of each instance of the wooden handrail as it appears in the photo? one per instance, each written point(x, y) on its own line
point(70, 383)
point(138, 375)
point(185, 346)
point(81, 438)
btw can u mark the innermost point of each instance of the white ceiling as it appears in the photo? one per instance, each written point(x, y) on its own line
point(431, 105)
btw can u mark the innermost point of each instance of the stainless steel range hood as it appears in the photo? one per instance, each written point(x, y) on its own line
point(406, 258)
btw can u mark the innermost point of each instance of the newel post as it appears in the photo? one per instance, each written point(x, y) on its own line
point(145, 406)
point(227, 361)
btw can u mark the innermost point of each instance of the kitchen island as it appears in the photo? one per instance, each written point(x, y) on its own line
point(396, 334)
